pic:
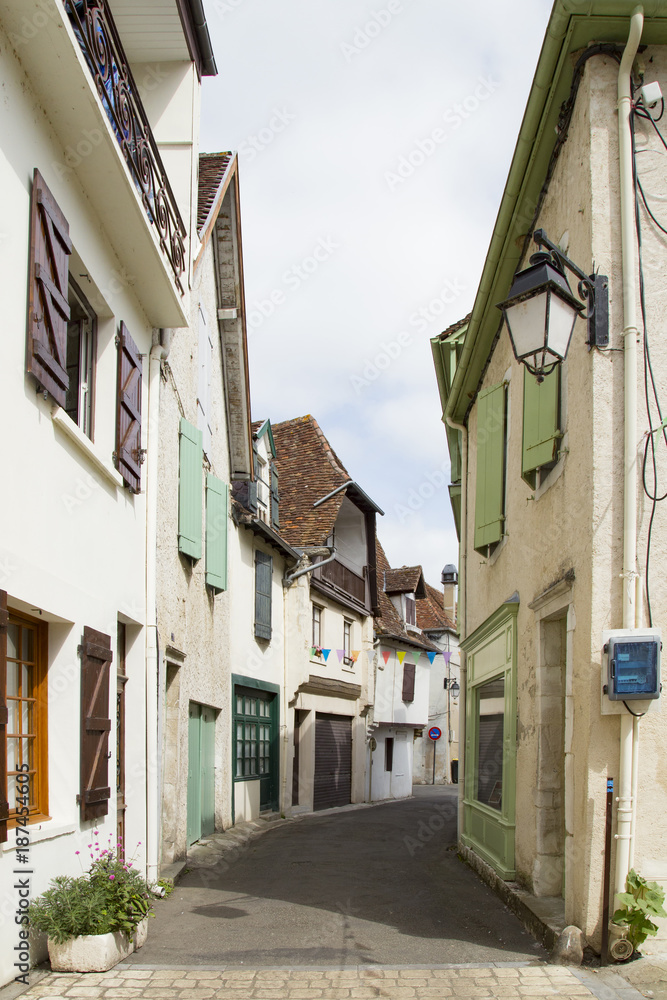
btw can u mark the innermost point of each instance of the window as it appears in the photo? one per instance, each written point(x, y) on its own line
point(410, 610)
point(253, 734)
point(317, 627)
point(490, 733)
point(190, 490)
point(491, 461)
point(263, 581)
point(347, 642)
point(80, 360)
point(26, 694)
point(541, 425)
point(389, 753)
point(408, 692)
point(263, 491)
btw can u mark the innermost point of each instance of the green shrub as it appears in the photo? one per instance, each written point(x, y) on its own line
point(641, 901)
point(111, 896)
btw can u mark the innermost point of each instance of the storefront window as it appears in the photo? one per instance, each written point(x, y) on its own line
point(490, 734)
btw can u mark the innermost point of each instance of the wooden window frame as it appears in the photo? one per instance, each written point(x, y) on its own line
point(316, 608)
point(85, 418)
point(40, 784)
point(347, 642)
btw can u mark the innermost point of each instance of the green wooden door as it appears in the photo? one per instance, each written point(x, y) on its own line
point(194, 775)
point(207, 771)
point(201, 772)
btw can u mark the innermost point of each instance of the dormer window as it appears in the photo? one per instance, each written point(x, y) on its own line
point(410, 609)
point(263, 490)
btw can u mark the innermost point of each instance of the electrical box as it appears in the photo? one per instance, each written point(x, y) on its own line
point(633, 665)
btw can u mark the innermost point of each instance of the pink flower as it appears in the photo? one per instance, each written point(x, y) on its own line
point(77, 852)
point(89, 846)
point(111, 877)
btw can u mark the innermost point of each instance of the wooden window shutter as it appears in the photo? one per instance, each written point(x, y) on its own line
point(541, 434)
point(275, 498)
point(490, 487)
point(263, 580)
point(252, 486)
point(190, 489)
point(408, 682)
point(129, 455)
point(216, 533)
point(96, 657)
point(48, 308)
point(4, 805)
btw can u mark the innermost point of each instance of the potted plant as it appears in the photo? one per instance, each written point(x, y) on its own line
point(631, 923)
point(95, 920)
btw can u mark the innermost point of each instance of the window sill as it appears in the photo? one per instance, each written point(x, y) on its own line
point(75, 434)
point(40, 830)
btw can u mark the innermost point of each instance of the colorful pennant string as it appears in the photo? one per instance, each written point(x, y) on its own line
point(416, 655)
point(385, 656)
point(447, 657)
point(431, 657)
point(354, 655)
point(325, 654)
point(400, 654)
point(341, 654)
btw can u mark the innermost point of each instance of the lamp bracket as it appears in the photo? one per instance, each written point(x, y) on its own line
point(593, 288)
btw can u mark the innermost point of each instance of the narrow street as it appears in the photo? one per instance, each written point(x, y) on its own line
point(371, 885)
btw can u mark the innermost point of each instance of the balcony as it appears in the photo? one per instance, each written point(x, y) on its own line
point(343, 582)
point(98, 39)
point(100, 143)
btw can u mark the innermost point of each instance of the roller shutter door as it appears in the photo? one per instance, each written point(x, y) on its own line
point(333, 761)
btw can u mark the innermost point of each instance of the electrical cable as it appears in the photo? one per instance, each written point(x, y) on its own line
point(637, 715)
point(649, 375)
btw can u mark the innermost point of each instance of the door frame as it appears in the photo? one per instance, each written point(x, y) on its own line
point(274, 717)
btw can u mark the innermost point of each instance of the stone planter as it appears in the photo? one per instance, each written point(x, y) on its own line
point(95, 952)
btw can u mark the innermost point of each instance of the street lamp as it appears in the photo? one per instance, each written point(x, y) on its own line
point(540, 310)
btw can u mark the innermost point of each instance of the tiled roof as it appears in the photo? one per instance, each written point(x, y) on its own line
point(212, 169)
point(388, 623)
point(405, 580)
point(308, 469)
point(455, 327)
point(430, 611)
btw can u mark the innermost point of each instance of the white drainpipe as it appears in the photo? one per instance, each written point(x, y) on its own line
point(159, 352)
point(629, 733)
point(461, 616)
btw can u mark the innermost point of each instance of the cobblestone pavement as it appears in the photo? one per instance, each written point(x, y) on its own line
point(496, 982)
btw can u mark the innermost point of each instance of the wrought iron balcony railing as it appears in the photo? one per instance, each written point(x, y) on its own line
point(99, 41)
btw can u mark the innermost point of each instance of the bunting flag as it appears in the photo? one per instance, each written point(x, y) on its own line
point(312, 651)
point(341, 654)
point(431, 657)
point(416, 655)
point(325, 654)
point(370, 653)
point(385, 657)
point(354, 655)
point(447, 657)
point(401, 654)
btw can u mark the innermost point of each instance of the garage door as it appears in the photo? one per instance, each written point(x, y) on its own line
point(333, 761)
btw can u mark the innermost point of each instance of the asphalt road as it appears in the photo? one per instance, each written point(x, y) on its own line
point(380, 884)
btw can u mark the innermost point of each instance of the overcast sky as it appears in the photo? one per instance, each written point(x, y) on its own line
point(374, 141)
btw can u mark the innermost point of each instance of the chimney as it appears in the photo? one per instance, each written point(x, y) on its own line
point(449, 579)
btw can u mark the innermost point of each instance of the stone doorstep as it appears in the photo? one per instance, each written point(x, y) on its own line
point(542, 916)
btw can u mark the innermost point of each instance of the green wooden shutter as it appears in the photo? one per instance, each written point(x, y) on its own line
point(541, 434)
point(189, 490)
point(216, 533)
point(275, 498)
point(490, 490)
point(263, 579)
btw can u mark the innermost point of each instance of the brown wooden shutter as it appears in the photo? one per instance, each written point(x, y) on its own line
point(48, 308)
point(408, 682)
point(96, 657)
point(4, 806)
point(128, 411)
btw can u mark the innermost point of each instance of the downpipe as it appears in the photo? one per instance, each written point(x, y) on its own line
point(629, 734)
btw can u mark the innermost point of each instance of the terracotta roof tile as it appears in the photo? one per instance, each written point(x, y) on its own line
point(308, 469)
point(430, 611)
point(388, 623)
point(212, 169)
point(405, 580)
